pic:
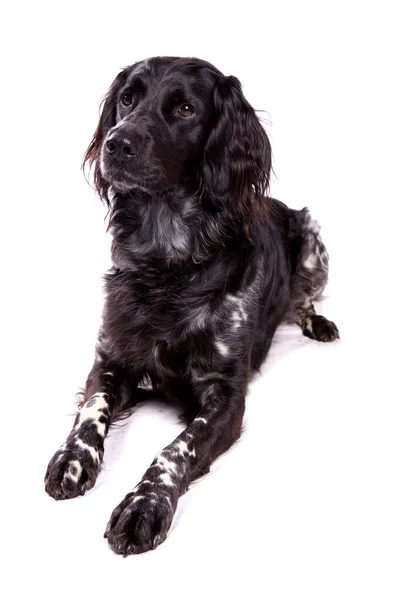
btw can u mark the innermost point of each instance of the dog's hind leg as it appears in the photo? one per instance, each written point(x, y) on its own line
point(309, 280)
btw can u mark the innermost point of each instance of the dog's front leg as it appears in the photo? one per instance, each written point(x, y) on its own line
point(143, 518)
point(76, 465)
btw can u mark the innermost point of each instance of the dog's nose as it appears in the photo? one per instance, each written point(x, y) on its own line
point(121, 147)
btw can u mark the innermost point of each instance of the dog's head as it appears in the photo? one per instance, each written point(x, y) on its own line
point(169, 122)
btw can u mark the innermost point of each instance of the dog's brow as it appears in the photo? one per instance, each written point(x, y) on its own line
point(177, 92)
point(136, 83)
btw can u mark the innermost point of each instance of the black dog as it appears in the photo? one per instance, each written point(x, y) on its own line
point(206, 266)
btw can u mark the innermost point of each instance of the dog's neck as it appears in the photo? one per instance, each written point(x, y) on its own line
point(150, 228)
point(154, 231)
point(162, 235)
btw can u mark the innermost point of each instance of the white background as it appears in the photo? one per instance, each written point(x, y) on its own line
point(303, 505)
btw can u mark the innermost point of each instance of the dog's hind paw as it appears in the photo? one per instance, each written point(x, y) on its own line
point(319, 328)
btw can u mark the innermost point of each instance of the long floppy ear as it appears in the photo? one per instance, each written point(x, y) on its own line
point(106, 121)
point(237, 157)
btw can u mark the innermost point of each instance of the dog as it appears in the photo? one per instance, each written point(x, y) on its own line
point(206, 265)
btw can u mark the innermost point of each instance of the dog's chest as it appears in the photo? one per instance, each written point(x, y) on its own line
point(172, 329)
point(152, 326)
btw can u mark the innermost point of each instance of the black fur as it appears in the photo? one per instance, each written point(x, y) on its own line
point(206, 266)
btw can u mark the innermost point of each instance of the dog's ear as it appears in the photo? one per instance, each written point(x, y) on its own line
point(237, 157)
point(106, 121)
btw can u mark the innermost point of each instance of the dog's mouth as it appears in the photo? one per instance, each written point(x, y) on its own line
point(124, 178)
point(148, 175)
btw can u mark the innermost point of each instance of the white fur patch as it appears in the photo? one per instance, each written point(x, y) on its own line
point(74, 465)
point(222, 348)
point(236, 318)
point(311, 262)
point(167, 465)
point(93, 452)
point(92, 410)
point(239, 314)
point(166, 479)
point(168, 501)
point(197, 376)
point(136, 498)
point(183, 449)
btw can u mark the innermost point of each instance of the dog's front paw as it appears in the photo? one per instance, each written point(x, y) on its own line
point(72, 470)
point(140, 523)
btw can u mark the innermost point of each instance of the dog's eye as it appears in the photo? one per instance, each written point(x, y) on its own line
point(127, 99)
point(185, 110)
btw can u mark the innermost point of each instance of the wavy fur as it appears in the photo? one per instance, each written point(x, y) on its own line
point(205, 268)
